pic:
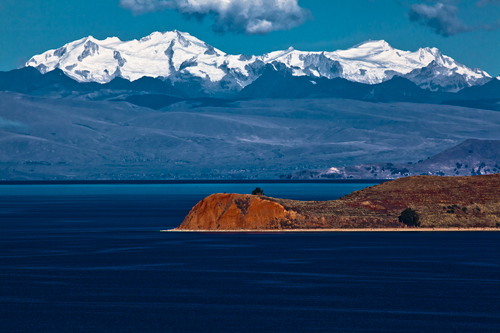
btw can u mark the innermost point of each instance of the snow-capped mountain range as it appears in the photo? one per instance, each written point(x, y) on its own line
point(190, 63)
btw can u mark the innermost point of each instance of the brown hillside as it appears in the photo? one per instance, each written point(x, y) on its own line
point(440, 202)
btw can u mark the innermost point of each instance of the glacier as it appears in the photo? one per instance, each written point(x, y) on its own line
point(189, 63)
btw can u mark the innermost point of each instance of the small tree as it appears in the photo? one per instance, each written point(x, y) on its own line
point(258, 191)
point(409, 217)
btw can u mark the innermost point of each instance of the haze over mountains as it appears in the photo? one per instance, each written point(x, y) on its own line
point(171, 106)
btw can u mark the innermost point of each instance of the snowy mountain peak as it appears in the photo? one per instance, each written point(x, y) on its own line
point(185, 60)
point(370, 46)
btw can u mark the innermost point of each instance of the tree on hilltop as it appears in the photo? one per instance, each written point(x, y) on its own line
point(258, 191)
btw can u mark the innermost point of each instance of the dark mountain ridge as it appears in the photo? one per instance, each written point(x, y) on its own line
point(276, 81)
point(28, 80)
point(486, 96)
point(280, 83)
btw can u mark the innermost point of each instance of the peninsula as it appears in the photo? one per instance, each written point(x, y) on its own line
point(440, 203)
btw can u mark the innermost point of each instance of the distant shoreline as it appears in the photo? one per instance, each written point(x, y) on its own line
point(336, 230)
point(192, 181)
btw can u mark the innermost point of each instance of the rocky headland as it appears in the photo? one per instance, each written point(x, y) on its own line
point(440, 202)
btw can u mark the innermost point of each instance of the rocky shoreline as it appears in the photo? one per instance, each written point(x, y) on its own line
point(341, 230)
point(440, 202)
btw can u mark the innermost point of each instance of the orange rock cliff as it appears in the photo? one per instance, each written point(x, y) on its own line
point(439, 201)
point(235, 212)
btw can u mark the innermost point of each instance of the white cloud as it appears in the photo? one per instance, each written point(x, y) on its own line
point(240, 16)
point(441, 18)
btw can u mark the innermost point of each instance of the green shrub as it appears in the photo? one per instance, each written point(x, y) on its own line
point(409, 217)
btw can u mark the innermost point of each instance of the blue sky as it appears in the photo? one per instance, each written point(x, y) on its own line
point(468, 31)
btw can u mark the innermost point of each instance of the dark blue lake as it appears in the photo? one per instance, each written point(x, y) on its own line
point(89, 258)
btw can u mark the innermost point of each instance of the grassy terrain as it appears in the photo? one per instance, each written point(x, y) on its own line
point(439, 202)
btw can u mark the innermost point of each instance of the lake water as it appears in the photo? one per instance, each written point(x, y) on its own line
point(89, 258)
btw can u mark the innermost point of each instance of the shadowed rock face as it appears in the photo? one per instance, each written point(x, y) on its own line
point(440, 202)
